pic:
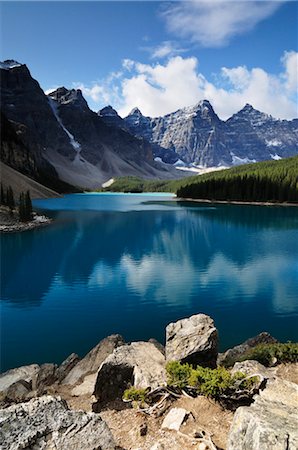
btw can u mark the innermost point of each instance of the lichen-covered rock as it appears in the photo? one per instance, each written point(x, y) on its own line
point(138, 364)
point(233, 354)
point(193, 340)
point(93, 360)
point(270, 422)
point(46, 423)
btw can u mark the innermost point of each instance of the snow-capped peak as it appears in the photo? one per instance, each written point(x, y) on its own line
point(9, 64)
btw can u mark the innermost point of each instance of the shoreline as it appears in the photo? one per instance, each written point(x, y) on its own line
point(234, 202)
point(38, 221)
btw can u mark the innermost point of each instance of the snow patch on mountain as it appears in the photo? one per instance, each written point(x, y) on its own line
point(238, 161)
point(276, 157)
point(9, 64)
point(273, 143)
point(75, 144)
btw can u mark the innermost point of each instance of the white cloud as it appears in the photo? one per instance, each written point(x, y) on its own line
point(214, 23)
point(161, 88)
point(165, 49)
point(290, 61)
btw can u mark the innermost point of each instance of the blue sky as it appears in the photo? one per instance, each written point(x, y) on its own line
point(160, 56)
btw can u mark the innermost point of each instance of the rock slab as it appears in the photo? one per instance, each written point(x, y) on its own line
point(193, 340)
point(93, 360)
point(138, 364)
point(174, 419)
point(46, 423)
point(270, 422)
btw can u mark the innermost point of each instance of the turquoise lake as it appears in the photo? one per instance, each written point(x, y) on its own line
point(132, 263)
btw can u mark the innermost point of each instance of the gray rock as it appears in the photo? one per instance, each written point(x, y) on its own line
point(46, 423)
point(270, 422)
point(231, 355)
point(93, 360)
point(45, 377)
point(16, 392)
point(193, 340)
point(174, 419)
point(66, 366)
point(138, 364)
point(251, 367)
point(27, 373)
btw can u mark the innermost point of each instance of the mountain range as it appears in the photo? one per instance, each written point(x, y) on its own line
point(196, 135)
point(60, 142)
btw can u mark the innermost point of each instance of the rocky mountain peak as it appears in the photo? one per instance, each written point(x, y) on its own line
point(66, 96)
point(9, 64)
point(135, 112)
point(108, 111)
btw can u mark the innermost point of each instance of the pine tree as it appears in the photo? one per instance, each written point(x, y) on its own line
point(2, 196)
point(28, 206)
point(10, 198)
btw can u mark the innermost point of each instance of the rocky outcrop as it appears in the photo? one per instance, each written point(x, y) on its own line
point(93, 360)
point(230, 356)
point(26, 373)
point(197, 135)
point(193, 340)
point(270, 422)
point(138, 364)
point(66, 366)
point(251, 367)
point(47, 423)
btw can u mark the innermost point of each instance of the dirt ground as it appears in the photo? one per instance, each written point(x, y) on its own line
point(205, 414)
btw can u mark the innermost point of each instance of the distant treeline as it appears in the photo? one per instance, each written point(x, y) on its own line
point(268, 181)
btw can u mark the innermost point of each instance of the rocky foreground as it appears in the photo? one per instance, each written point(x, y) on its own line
point(49, 407)
point(10, 223)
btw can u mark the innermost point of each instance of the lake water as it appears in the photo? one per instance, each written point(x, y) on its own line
point(131, 263)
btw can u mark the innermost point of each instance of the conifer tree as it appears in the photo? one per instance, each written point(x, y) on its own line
point(2, 196)
point(10, 198)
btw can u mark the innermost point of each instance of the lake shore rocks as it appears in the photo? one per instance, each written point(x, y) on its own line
point(47, 423)
point(30, 419)
point(139, 364)
point(93, 360)
point(270, 422)
point(231, 355)
point(193, 340)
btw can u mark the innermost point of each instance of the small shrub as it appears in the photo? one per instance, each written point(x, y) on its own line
point(178, 374)
point(134, 394)
point(209, 382)
point(267, 354)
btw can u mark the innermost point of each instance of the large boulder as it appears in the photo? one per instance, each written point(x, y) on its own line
point(27, 373)
point(47, 423)
point(139, 364)
point(270, 422)
point(229, 357)
point(93, 360)
point(66, 366)
point(193, 340)
point(251, 367)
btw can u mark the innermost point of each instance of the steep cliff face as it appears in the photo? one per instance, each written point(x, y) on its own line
point(61, 137)
point(197, 135)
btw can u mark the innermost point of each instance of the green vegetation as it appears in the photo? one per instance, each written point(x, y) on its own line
point(275, 181)
point(268, 354)
point(205, 381)
point(7, 197)
point(136, 395)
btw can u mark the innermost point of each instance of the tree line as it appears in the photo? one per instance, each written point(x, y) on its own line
point(274, 181)
point(7, 198)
